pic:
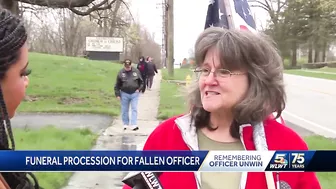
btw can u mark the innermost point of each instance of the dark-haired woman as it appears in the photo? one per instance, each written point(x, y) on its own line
point(13, 83)
point(240, 83)
point(143, 68)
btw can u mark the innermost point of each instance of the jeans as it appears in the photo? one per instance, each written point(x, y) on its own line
point(128, 100)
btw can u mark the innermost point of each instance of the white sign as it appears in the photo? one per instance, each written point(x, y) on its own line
point(104, 44)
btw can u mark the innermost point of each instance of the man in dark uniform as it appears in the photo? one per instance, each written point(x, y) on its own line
point(128, 85)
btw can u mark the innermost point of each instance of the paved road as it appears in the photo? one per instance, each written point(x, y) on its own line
point(311, 103)
point(96, 123)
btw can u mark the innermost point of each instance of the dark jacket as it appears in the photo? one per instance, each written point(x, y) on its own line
point(143, 68)
point(151, 69)
point(128, 81)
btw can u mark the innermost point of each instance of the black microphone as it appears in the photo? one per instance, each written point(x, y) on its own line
point(143, 180)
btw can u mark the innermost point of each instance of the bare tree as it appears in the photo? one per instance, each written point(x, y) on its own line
point(80, 7)
point(142, 43)
point(60, 31)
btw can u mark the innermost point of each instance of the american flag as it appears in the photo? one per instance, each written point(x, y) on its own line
point(242, 15)
point(216, 15)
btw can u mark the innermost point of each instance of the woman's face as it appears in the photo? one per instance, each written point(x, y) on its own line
point(220, 93)
point(15, 82)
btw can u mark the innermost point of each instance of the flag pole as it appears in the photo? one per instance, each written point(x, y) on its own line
point(229, 14)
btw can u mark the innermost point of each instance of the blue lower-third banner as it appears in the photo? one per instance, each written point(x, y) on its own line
point(163, 161)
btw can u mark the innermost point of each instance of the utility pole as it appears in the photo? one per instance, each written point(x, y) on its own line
point(170, 38)
point(164, 9)
point(229, 14)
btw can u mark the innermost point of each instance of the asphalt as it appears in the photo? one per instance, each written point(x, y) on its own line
point(96, 123)
point(311, 104)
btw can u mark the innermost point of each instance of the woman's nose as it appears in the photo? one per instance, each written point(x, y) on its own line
point(211, 79)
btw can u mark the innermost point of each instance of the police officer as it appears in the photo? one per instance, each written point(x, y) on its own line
point(127, 89)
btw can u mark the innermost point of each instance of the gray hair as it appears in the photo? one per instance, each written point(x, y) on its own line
point(257, 54)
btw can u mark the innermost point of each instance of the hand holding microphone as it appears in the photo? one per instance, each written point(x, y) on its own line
point(143, 180)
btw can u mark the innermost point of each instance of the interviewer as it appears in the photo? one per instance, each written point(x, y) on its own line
point(240, 83)
point(13, 83)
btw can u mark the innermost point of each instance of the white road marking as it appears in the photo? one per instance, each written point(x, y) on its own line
point(310, 122)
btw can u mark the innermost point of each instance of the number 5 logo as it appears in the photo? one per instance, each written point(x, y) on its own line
point(280, 158)
point(298, 158)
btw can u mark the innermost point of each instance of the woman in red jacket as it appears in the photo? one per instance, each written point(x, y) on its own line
point(240, 83)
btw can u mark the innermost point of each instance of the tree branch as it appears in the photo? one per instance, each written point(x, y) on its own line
point(59, 3)
point(97, 7)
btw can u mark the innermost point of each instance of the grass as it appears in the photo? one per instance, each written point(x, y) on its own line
point(326, 69)
point(179, 74)
point(51, 138)
point(327, 179)
point(172, 104)
point(69, 84)
point(312, 74)
point(171, 100)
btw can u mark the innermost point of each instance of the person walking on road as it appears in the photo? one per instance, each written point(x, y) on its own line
point(127, 88)
point(143, 68)
point(151, 72)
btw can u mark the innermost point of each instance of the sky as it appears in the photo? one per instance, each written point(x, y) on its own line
point(189, 20)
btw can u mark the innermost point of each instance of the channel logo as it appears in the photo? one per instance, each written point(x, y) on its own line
point(280, 161)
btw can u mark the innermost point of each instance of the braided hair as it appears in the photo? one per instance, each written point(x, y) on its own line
point(13, 36)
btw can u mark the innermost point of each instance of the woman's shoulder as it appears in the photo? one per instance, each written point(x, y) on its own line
point(282, 137)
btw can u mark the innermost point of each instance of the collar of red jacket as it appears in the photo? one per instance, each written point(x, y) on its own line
point(252, 137)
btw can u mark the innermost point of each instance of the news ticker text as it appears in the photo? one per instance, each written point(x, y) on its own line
point(162, 161)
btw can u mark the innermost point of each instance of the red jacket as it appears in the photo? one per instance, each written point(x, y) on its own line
point(168, 136)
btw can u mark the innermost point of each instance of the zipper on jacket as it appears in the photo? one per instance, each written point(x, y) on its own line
point(243, 178)
point(191, 149)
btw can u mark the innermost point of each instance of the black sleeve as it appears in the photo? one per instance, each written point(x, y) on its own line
point(146, 68)
point(117, 86)
point(140, 81)
point(155, 70)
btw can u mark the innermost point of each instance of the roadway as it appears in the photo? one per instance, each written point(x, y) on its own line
point(311, 104)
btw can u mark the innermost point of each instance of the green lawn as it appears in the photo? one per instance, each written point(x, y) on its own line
point(317, 75)
point(326, 69)
point(68, 84)
point(171, 100)
point(172, 103)
point(179, 74)
point(51, 138)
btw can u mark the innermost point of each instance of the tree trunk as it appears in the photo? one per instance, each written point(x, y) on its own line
point(317, 55)
point(310, 52)
point(324, 51)
point(114, 20)
point(11, 5)
point(294, 54)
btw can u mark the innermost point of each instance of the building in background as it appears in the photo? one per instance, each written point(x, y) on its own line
point(104, 48)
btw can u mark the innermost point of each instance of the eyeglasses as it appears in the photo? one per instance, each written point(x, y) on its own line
point(222, 73)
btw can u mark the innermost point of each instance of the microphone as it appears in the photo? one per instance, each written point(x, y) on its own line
point(143, 180)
